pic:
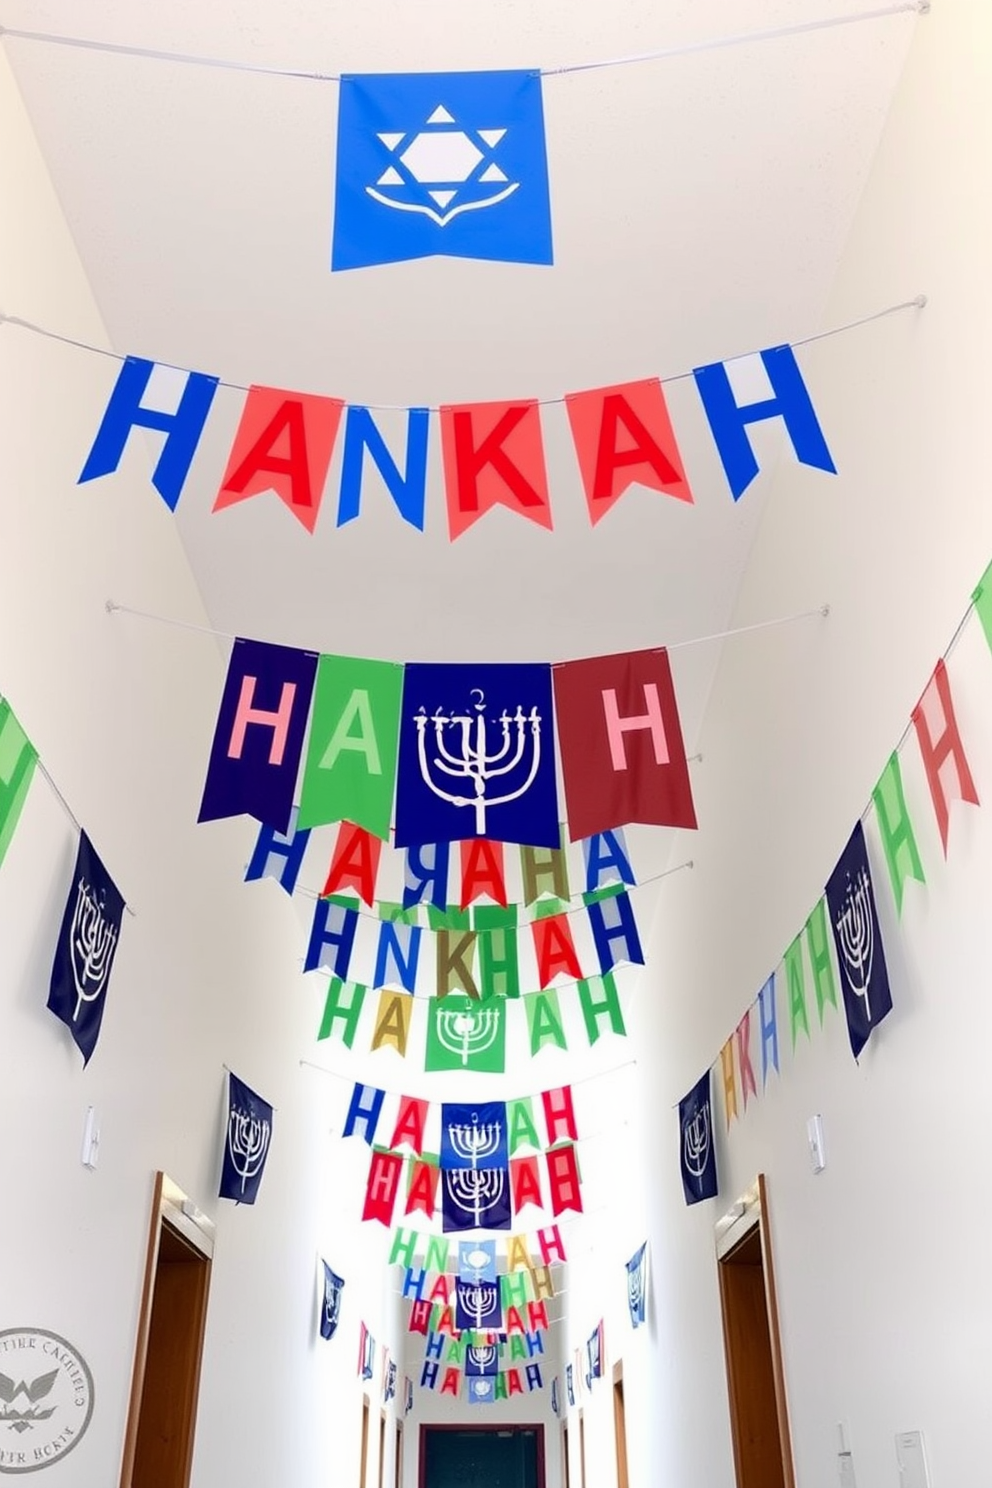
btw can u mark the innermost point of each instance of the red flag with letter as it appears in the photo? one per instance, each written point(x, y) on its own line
point(622, 754)
point(493, 456)
point(284, 444)
point(623, 435)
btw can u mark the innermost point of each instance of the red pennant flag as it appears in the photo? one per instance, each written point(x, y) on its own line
point(551, 1244)
point(441, 1290)
point(422, 1197)
point(452, 1382)
point(941, 750)
point(525, 1182)
point(493, 456)
point(284, 444)
point(410, 1122)
point(513, 1385)
point(383, 1185)
point(559, 1112)
point(514, 1322)
point(748, 1082)
point(447, 1323)
point(555, 949)
point(563, 1180)
point(624, 435)
point(482, 871)
point(622, 754)
point(420, 1318)
point(355, 863)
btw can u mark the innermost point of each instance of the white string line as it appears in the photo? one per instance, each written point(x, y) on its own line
point(508, 1099)
point(917, 303)
point(664, 54)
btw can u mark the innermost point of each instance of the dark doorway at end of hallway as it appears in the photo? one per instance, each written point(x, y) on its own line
point(482, 1457)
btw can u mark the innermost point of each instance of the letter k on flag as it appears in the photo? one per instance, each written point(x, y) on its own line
point(622, 754)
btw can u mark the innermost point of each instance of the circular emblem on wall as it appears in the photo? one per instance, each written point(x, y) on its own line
point(46, 1399)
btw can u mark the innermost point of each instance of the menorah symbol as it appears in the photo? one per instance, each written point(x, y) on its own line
point(91, 946)
point(475, 1190)
point(634, 1288)
point(247, 1143)
point(856, 937)
point(467, 1033)
point(471, 762)
point(479, 1302)
point(696, 1142)
point(482, 1357)
point(475, 1141)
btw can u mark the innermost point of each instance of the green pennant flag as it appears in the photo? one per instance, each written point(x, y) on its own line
point(796, 983)
point(350, 771)
point(449, 918)
point(982, 600)
point(499, 969)
point(543, 909)
point(902, 856)
point(606, 1006)
point(544, 1020)
point(347, 1009)
point(520, 1125)
point(608, 891)
point(18, 757)
point(395, 914)
point(463, 1033)
point(818, 945)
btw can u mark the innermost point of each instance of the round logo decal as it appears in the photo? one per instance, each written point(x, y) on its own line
point(46, 1399)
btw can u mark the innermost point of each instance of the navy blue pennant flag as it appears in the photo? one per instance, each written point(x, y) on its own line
point(570, 1384)
point(441, 162)
point(87, 944)
point(366, 1353)
point(390, 1381)
point(259, 736)
point(637, 1268)
point(594, 1355)
point(477, 756)
point(474, 1135)
point(697, 1153)
point(854, 920)
point(555, 1401)
point(481, 1360)
point(475, 1199)
point(477, 1306)
point(331, 1311)
point(249, 1131)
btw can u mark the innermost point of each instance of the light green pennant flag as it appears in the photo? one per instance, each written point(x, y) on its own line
point(395, 914)
point(520, 1125)
point(344, 1002)
point(902, 856)
point(436, 1258)
point(449, 918)
point(456, 1351)
point(796, 982)
point(18, 757)
point(499, 968)
point(543, 909)
point(544, 1020)
point(608, 1006)
point(609, 891)
point(982, 600)
point(350, 772)
point(818, 945)
point(463, 1033)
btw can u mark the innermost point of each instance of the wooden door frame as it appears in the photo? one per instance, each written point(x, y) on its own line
point(516, 1427)
point(620, 1426)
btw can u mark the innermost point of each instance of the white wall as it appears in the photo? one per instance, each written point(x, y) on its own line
point(883, 1290)
point(121, 712)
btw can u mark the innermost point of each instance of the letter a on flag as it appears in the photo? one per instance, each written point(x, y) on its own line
point(623, 436)
point(284, 444)
point(622, 754)
point(351, 755)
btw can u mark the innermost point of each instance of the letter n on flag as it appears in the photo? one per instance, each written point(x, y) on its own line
point(623, 436)
point(493, 456)
point(622, 754)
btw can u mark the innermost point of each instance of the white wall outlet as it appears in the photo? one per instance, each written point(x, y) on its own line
point(912, 1460)
point(91, 1139)
point(814, 1135)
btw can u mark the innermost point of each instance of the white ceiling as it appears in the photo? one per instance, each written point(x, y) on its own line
point(700, 206)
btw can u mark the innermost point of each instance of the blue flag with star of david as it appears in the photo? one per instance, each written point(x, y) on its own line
point(441, 162)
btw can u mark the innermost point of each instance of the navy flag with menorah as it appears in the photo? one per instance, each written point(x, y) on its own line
point(330, 1313)
point(482, 1360)
point(474, 1135)
point(854, 920)
point(697, 1154)
point(249, 1131)
point(87, 944)
point(478, 1306)
point(637, 1268)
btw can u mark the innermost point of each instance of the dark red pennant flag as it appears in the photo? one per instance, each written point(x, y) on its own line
point(452, 1382)
point(410, 1122)
point(622, 754)
point(493, 456)
point(944, 760)
point(385, 1170)
point(355, 863)
point(525, 1183)
point(423, 1189)
point(420, 1318)
point(555, 949)
point(284, 444)
point(563, 1180)
point(482, 871)
point(623, 435)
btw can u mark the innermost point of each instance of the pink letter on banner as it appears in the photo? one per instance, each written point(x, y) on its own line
point(623, 436)
point(284, 444)
point(941, 750)
point(493, 456)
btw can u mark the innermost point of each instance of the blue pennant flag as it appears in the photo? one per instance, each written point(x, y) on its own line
point(858, 939)
point(249, 1131)
point(476, 1260)
point(477, 755)
point(594, 1355)
point(555, 1401)
point(87, 944)
point(478, 1306)
point(331, 1311)
point(696, 1151)
point(637, 1268)
point(481, 1391)
point(408, 1395)
point(570, 1384)
point(390, 1381)
point(482, 1359)
point(474, 1135)
point(443, 162)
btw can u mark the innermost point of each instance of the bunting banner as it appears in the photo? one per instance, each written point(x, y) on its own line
point(637, 1269)
point(858, 941)
point(595, 1355)
point(476, 1261)
point(622, 754)
point(366, 1353)
point(441, 163)
point(86, 947)
point(481, 1361)
point(477, 1305)
point(350, 770)
point(330, 1314)
point(390, 1390)
point(246, 1147)
point(697, 1154)
point(18, 758)
point(570, 1384)
point(624, 435)
point(283, 444)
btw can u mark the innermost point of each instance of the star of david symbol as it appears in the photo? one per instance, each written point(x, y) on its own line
point(442, 169)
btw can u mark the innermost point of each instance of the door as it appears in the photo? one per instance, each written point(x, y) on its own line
point(483, 1457)
point(620, 1427)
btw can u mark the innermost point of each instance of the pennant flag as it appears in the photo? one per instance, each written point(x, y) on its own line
point(473, 1135)
point(614, 931)
point(18, 757)
point(482, 872)
point(422, 1195)
point(818, 946)
point(544, 1023)
point(941, 749)
point(563, 1179)
point(350, 769)
point(476, 755)
point(637, 1276)
point(595, 1354)
point(392, 1024)
point(525, 1183)
point(85, 950)
point(982, 600)
point(398, 954)
point(477, 1305)
point(284, 444)
point(259, 736)
point(697, 1154)
point(364, 1111)
point(493, 455)
point(729, 1080)
point(407, 1395)
point(331, 1311)
point(858, 939)
point(355, 864)
point(426, 882)
point(476, 1260)
point(795, 981)
point(623, 435)
point(622, 754)
point(332, 938)
point(555, 949)
point(249, 1131)
point(768, 1016)
point(366, 1353)
point(555, 1398)
point(475, 1199)
point(895, 828)
point(348, 1010)
point(607, 1006)
point(607, 860)
point(570, 1384)
point(481, 1391)
point(465, 1034)
point(482, 1360)
point(559, 1115)
point(499, 967)
point(743, 1036)
point(408, 488)
point(523, 1131)
point(390, 1393)
point(279, 855)
point(447, 162)
point(410, 1122)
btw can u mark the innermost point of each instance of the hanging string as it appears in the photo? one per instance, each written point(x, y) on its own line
point(685, 49)
point(228, 1070)
point(917, 303)
point(573, 1084)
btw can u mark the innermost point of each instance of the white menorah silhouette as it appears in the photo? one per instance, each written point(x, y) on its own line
point(856, 935)
point(467, 1033)
point(696, 1142)
point(482, 1357)
point(475, 1141)
point(91, 946)
point(634, 1288)
point(478, 1301)
point(473, 763)
point(247, 1143)
point(475, 1190)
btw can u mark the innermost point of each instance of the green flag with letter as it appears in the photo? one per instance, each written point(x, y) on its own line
point(18, 757)
point(350, 772)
